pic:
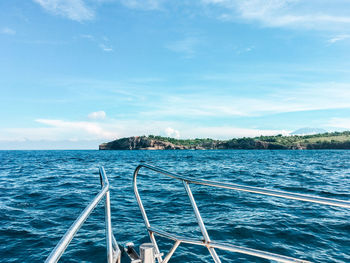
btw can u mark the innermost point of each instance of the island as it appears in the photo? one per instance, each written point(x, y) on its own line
point(328, 140)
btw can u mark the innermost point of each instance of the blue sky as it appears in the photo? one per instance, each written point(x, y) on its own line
point(75, 73)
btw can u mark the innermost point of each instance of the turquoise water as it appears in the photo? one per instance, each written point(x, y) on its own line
point(42, 192)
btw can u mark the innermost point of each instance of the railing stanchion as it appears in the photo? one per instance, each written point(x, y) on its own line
point(201, 223)
point(144, 215)
point(171, 251)
point(108, 221)
point(109, 230)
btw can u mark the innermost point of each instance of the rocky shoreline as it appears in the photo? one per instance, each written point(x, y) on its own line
point(335, 140)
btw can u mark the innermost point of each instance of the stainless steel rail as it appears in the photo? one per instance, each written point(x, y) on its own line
point(113, 251)
point(206, 241)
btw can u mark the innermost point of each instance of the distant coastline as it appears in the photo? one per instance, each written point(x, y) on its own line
point(332, 140)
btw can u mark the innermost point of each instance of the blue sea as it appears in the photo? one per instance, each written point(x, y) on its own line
point(42, 193)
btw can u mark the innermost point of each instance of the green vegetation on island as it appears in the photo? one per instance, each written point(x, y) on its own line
point(329, 140)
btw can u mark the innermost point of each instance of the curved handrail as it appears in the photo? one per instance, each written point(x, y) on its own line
point(113, 251)
point(211, 245)
point(251, 189)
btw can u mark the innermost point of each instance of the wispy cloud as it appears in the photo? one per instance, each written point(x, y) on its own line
point(206, 101)
point(185, 46)
point(97, 115)
point(87, 36)
point(338, 38)
point(240, 51)
point(143, 4)
point(342, 123)
point(27, 144)
point(73, 9)
point(307, 97)
point(285, 13)
point(106, 48)
point(77, 129)
point(228, 132)
point(8, 31)
point(103, 43)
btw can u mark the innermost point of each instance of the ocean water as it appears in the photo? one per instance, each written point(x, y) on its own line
point(42, 192)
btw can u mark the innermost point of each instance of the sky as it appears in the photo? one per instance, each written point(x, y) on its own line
point(76, 73)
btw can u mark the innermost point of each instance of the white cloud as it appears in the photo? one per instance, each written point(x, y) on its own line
point(304, 97)
point(170, 132)
point(97, 115)
point(73, 9)
point(188, 130)
point(198, 112)
point(228, 132)
point(186, 46)
point(142, 4)
point(79, 129)
point(286, 13)
point(103, 44)
point(49, 144)
point(240, 51)
point(338, 38)
point(272, 13)
point(87, 36)
point(8, 31)
point(197, 106)
point(342, 123)
point(106, 48)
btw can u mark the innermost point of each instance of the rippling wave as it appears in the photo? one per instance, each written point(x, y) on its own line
point(42, 192)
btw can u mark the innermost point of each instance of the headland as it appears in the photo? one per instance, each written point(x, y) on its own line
point(329, 140)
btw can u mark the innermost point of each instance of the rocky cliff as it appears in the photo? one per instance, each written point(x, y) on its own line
point(149, 143)
point(140, 143)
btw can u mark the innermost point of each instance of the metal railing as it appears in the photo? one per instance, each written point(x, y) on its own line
point(113, 251)
point(207, 242)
